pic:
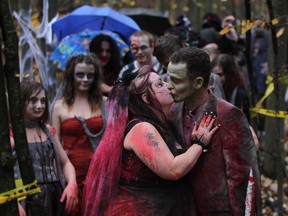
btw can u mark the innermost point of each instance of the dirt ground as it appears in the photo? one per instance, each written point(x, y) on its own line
point(269, 189)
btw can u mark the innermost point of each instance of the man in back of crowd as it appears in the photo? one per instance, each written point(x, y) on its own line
point(142, 48)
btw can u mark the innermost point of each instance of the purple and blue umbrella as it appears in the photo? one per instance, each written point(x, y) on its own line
point(76, 44)
point(95, 18)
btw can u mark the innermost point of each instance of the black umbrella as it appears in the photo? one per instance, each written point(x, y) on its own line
point(149, 19)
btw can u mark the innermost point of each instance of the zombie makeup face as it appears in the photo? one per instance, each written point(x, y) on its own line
point(180, 85)
point(84, 75)
point(35, 106)
point(105, 53)
point(140, 48)
point(162, 93)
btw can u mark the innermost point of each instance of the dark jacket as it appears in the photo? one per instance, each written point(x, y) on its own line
point(220, 177)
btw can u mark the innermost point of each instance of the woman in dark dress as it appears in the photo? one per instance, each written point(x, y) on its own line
point(51, 165)
point(138, 167)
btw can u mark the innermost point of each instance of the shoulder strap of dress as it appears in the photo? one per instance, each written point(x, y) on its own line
point(56, 155)
point(93, 138)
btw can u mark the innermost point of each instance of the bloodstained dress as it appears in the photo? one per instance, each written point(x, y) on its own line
point(142, 192)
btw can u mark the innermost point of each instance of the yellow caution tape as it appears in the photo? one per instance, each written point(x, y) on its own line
point(246, 25)
point(269, 90)
point(275, 21)
point(20, 192)
point(23, 75)
point(18, 184)
point(271, 113)
point(281, 78)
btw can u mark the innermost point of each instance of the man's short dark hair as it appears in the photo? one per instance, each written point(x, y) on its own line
point(197, 60)
point(166, 45)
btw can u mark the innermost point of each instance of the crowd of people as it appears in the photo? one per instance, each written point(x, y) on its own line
point(166, 134)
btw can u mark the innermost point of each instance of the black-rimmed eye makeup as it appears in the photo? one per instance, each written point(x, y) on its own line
point(81, 75)
point(35, 100)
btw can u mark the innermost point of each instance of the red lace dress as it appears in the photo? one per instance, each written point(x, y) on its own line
point(79, 148)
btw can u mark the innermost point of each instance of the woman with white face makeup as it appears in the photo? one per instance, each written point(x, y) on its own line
point(79, 115)
point(46, 151)
point(139, 166)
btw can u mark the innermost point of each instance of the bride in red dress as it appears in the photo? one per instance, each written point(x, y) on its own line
point(78, 116)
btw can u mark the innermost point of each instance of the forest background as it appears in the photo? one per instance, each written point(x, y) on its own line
point(193, 9)
point(274, 150)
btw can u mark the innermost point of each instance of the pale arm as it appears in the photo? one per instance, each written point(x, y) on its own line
point(21, 210)
point(71, 190)
point(56, 117)
point(12, 142)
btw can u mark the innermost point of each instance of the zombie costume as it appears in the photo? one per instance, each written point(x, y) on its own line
point(220, 177)
point(142, 192)
point(51, 182)
point(78, 147)
point(118, 182)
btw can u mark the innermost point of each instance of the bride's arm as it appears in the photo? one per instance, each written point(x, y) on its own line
point(152, 150)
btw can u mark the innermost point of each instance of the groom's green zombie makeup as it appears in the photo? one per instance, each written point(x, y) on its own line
point(180, 85)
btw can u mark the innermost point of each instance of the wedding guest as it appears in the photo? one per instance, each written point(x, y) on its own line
point(108, 53)
point(78, 115)
point(51, 165)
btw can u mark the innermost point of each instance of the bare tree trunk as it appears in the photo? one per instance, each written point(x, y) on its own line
point(251, 77)
point(163, 5)
point(6, 161)
point(249, 63)
point(273, 163)
point(11, 69)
